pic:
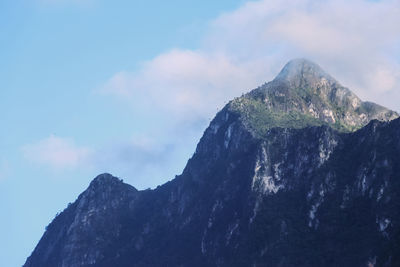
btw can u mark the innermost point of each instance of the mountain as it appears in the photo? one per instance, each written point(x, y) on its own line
point(304, 95)
point(298, 172)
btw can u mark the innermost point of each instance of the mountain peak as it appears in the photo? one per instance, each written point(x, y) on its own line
point(302, 71)
point(104, 179)
point(302, 95)
point(105, 183)
point(105, 186)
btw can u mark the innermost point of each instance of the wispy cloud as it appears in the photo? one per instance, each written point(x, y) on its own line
point(57, 153)
point(357, 41)
point(354, 40)
point(187, 84)
point(142, 160)
point(145, 160)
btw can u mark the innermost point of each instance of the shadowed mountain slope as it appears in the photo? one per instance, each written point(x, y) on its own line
point(298, 172)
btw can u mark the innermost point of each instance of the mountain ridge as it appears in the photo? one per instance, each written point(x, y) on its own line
point(303, 194)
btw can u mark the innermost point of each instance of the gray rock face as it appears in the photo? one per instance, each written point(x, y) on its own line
point(302, 195)
point(86, 227)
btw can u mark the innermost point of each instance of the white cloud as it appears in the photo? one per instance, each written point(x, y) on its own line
point(185, 83)
point(144, 160)
point(57, 153)
point(356, 41)
point(177, 91)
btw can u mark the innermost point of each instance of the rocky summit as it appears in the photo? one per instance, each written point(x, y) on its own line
point(297, 172)
point(304, 95)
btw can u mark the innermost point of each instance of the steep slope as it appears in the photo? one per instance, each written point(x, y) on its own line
point(92, 223)
point(264, 188)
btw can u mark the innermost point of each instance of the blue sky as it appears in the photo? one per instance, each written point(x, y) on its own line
point(128, 87)
point(55, 56)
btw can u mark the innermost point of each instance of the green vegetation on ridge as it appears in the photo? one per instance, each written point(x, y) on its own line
point(259, 118)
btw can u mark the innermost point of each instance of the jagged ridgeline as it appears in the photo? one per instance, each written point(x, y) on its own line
point(298, 172)
point(304, 95)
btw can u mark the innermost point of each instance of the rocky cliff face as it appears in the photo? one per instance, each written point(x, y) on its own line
point(88, 226)
point(294, 173)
